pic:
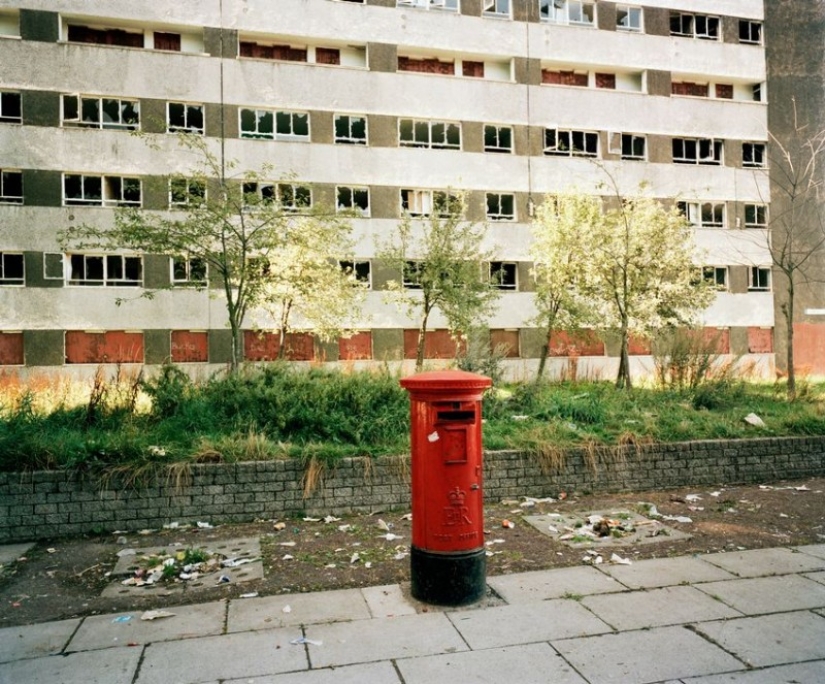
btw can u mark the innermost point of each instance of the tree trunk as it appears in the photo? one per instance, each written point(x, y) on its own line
point(623, 377)
point(419, 352)
point(789, 356)
point(545, 352)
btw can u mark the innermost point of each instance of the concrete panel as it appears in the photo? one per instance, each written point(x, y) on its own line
point(44, 347)
point(760, 562)
point(530, 587)
point(661, 572)
point(39, 25)
point(803, 672)
point(768, 594)
point(35, 641)
point(41, 108)
point(113, 666)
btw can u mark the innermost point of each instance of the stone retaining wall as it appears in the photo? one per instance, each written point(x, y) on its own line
point(44, 505)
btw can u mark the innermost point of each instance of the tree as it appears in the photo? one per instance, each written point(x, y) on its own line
point(636, 272)
point(796, 228)
point(443, 267)
point(229, 227)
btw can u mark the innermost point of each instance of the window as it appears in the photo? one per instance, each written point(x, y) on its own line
point(567, 11)
point(704, 214)
point(167, 41)
point(567, 78)
point(293, 197)
point(119, 37)
point(101, 112)
point(633, 146)
point(697, 151)
point(430, 4)
point(184, 118)
point(353, 200)
point(607, 81)
point(437, 135)
point(750, 31)
point(498, 138)
point(558, 142)
point(268, 125)
point(628, 18)
point(255, 193)
point(497, 7)
point(188, 271)
point(753, 155)
point(11, 269)
point(426, 66)
point(756, 216)
point(724, 91)
point(716, 276)
point(186, 192)
point(501, 206)
point(360, 270)
point(689, 88)
point(759, 278)
point(411, 276)
point(107, 191)
point(113, 270)
point(350, 130)
point(284, 53)
point(10, 107)
point(11, 187)
point(424, 202)
point(694, 26)
point(758, 92)
point(503, 275)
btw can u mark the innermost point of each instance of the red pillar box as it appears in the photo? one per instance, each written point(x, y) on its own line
point(448, 562)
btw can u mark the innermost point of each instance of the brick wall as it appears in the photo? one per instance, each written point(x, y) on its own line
point(43, 505)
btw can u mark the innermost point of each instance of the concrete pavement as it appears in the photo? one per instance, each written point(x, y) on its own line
point(747, 617)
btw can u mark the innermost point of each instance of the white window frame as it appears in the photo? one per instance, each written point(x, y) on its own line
point(632, 156)
point(750, 25)
point(443, 5)
point(411, 267)
point(498, 148)
point(567, 12)
point(79, 121)
point(194, 193)
point(495, 267)
point(5, 197)
point(186, 127)
point(5, 117)
point(500, 215)
point(630, 11)
point(759, 210)
point(6, 281)
point(758, 154)
point(291, 117)
point(422, 203)
point(353, 206)
point(755, 279)
point(496, 8)
point(107, 265)
point(711, 143)
point(289, 195)
point(694, 31)
point(718, 276)
point(696, 212)
point(430, 129)
point(191, 268)
point(350, 139)
point(360, 269)
point(567, 149)
point(265, 192)
point(113, 191)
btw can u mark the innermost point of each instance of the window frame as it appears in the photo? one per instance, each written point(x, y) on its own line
point(758, 155)
point(758, 209)
point(107, 262)
point(195, 193)
point(107, 190)
point(350, 139)
point(430, 200)
point(629, 10)
point(632, 156)
point(5, 175)
point(190, 266)
point(498, 148)
point(194, 130)
point(440, 5)
point(351, 266)
point(711, 274)
point(503, 267)
point(496, 11)
point(755, 278)
point(501, 215)
point(749, 25)
point(416, 126)
point(79, 120)
point(552, 15)
point(12, 281)
point(694, 31)
point(299, 197)
point(715, 145)
point(362, 211)
point(556, 151)
point(696, 211)
point(8, 95)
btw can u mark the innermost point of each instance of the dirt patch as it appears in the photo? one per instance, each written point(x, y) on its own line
point(66, 578)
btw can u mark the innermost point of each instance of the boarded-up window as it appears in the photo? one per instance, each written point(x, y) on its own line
point(357, 347)
point(264, 346)
point(724, 91)
point(568, 78)
point(112, 346)
point(606, 81)
point(84, 34)
point(279, 52)
point(809, 347)
point(167, 41)
point(760, 340)
point(426, 66)
point(11, 349)
point(327, 56)
point(638, 346)
point(472, 69)
point(717, 340)
point(692, 89)
point(438, 344)
point(584, 343)
point(190, 346)
point(507, 341)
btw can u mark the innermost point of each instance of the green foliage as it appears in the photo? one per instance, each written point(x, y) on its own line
point(168, 391)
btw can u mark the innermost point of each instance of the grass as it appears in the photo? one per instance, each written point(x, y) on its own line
point(128, 427)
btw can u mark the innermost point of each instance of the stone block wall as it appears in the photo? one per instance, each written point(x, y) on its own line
point(42, 505)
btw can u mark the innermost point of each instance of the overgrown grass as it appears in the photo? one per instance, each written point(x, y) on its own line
point(125, 426)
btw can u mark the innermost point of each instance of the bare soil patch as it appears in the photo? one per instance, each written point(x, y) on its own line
point(64, 578)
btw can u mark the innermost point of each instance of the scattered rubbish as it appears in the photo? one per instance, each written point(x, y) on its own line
point(331, 519)
point(312, 519)
point(223, 579)
point(618, 560)
point(279, 526)
point(520, 417)
point(286, 609)
point(171, 526)
point(382, 525)
point(303, 640)
point(509, 524)
point(330, 566)
point(803, 488)
point(693, 497)
point(251, 594)
point(156, 614)
point(126, 552)
point(715, 494)
point(390, 536)
point(432, 437)
point(354, 558)
point(287, 557)
point(205, 525)
point(368, 565)
point(122, 541)
point(783, 515)
point(753, 419)
point(145, 533)
point(407, 516)
point(495, 541)
point(235, 562)
point(344, 528)
point(122, 618)
point(678, 518)
point(287, 543)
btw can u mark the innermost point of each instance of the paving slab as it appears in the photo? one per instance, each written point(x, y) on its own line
point(388, 601)
point(657, 608)
point(407, 636)
point(527, 587)
point(770, 639)
point(763, 562)
point(229, 656)
point(370, 673)
point(296, 609)
point(531, 664)
point(817, 550)
point(759, 595)
point(665, 572)
point(644, 656)
point(113, 666)
point(802, 673)
point(11, 552)
point(33, 641)
point(527, 623)
point(107, 631)
point(816, 576)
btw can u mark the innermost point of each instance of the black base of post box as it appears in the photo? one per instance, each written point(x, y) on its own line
point(448, 579)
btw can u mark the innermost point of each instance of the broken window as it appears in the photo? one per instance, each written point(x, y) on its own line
point(724, 91)
point(255, 193)
point(101, 112)
point(498, 138)
point(291, 125)
point(11, 187)
point(114, 270)
point(697, 151)
point(633, 146)
point(119, 37)
point(109, 191)
point(759, 278)
point(750, 31)
point(472, 69)
point(628, 18)
point(268, 125)
point(12, 269)
point(350, 130)
point(186, 192)
point(411, 276)
point(497, 7)
point(689, 88)
point(716, 276)
point(284, 53)
point(758, 92)
point(433, 134)
point(703, 214)
point(351, 199)
point(425, 202)
point(331, 56)
point(426, 66)
point(184, 118)
point(294, 197)
point(10, 107)
point(566, 143)
point(567, 11)
point(694, 26)
point(188, 270)
point(607, 81)
point(753, 155)
point(429, 4)
point(503, 275)
point(501, 206)
point(567, 78)
point(360, 270)
point(756, 216)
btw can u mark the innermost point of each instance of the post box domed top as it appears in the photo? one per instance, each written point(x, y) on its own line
point(446, 381)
